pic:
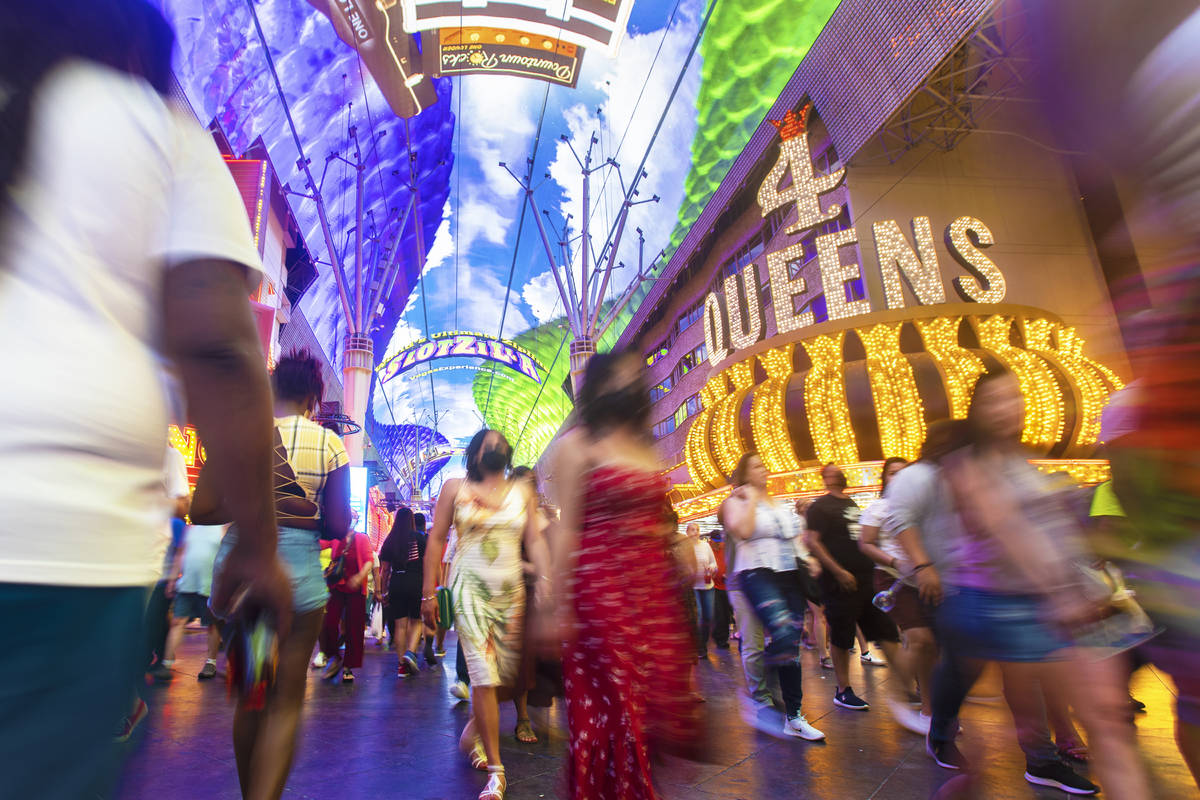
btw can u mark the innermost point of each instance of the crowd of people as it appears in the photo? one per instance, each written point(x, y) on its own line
point(970, 557)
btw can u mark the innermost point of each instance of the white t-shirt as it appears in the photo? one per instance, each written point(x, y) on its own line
point(876, 515)
point(117, 187)
point(706, 564)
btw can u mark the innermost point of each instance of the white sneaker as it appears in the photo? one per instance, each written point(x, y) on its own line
point(798, 726)
point(908, 718)
point(319, 660)
point(871, 660)
point(460, 691)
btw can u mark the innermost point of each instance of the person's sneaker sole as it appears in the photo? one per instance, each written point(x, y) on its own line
point(412, 663)
point(1053, 784)
point(852, 707)
point(938, 761)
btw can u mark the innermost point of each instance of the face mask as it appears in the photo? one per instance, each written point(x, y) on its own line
point(493, 461)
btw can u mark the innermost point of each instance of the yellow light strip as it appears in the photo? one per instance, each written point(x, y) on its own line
point(825, 401)
point(864, 477)
point(1063, 347)
point(894, 387)
point(696, 452)
point(768, 417)
point(959, 367)
point(726, 439)
point(1044, 408)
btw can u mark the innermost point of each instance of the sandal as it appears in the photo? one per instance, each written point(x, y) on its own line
point(495, 786)
point(472, 747)
point(525, 733)
point(1073, 750)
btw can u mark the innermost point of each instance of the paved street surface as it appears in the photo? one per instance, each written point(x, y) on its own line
point(383, 737)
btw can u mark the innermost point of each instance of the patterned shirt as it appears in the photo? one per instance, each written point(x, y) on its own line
point(313, 452)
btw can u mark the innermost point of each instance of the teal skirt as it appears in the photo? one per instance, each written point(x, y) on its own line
point(300, 552)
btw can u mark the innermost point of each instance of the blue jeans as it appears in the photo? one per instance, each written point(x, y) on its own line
point(779, 604)
point(706, 600)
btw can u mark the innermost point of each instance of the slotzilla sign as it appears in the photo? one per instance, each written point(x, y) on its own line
point(479, 51)
point(461, 345)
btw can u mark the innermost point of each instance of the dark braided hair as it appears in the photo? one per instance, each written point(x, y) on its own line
point(130, 36)
point(297, 378)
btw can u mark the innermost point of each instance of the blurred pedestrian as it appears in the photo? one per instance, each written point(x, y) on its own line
point(769, 599)
point(312, 500)
point(402, 562)
point(346, 612)
point(191, 591)
point(997, 603)
point(628, 650)
point(894, 575)
point(704, 588)
point(493, 515)
point(123, 241)
point(847, 585)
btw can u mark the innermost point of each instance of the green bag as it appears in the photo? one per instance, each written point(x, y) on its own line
point(445, 608)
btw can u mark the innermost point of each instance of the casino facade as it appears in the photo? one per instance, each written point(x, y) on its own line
point(899, 223)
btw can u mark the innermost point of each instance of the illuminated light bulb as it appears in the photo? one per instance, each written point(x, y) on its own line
point(768, 417)
point(785, 288)
point(806, 187)
point(898, 407)
point(971, 258)
point(1044, 408)
point(959, 367)
point(825, 401)
point(1041, 336)
point(835, 274)
point(727, 439)
point(744, 332)
point(898, 263)
point(716, 334)
point(701, 466)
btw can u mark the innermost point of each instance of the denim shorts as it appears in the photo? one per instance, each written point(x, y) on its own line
point(994, 626)
point(300, 553)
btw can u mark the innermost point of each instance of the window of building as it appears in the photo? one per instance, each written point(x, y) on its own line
point(660, 391)
point(689, 361)
point(656, 355)
point(690, 317)
point(667, 426)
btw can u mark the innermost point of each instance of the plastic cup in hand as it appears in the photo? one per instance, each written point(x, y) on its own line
point(886, 600)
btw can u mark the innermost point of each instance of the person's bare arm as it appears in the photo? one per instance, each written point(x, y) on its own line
point(210, 335)
point(845, 579)
point(868, 543)
point(536, 547)
point(569, 464)
point(738, 513)
point(929, 582)
point(443, 515)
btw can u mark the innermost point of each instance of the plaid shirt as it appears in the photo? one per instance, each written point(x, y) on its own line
point(313, 452)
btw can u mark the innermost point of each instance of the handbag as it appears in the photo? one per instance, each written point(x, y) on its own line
point(336, 571)
point(445, 603)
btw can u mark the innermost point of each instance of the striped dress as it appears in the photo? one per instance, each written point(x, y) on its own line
point(488, 587)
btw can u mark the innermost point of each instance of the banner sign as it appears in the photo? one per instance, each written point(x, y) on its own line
point(461, 345)
point(375, 31)
point(483, 51)
point(588, 23)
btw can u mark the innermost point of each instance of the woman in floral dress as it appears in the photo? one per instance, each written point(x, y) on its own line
point(492, 515)
point(629, 652)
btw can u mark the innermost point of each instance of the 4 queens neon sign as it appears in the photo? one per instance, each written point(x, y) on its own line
point(461, 345)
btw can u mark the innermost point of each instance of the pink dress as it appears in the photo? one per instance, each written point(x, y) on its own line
point(627, 671)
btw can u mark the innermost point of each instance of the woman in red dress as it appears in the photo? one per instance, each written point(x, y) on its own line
point(628, 650)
